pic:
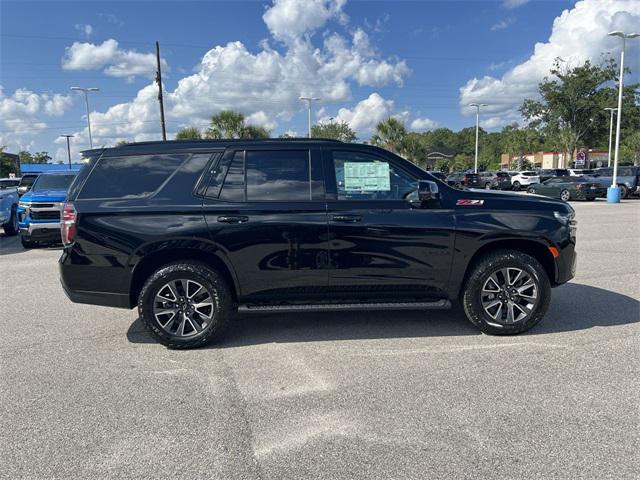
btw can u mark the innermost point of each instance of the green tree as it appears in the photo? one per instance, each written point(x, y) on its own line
point(25, 157)
point(630, 149)
point(120, 143)
point(570, 109)
point(41, 157)
point(390, 134)
point(230, 124)
point(189, 133)
point(6, 164)
point(413, 148)
point(462, 162)
point(335, 130)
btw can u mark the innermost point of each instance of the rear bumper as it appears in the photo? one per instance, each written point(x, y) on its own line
point(85, 280)
point(566, 265)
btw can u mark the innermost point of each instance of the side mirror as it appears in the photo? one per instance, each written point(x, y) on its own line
point(428, 191)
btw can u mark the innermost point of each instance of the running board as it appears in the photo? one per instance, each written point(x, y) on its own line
point(345, 307)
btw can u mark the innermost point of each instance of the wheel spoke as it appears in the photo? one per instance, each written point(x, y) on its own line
point(183, 307)
point(498, 312)
point(510, 316)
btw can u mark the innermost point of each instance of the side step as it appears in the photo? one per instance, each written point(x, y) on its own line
point(345, 307)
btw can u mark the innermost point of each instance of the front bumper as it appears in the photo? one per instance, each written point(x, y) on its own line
point(32, 227)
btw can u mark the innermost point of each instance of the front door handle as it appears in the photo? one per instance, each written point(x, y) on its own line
point(346, 218)
point(233, 219)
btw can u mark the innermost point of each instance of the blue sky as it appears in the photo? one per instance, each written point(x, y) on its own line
point(418, 60)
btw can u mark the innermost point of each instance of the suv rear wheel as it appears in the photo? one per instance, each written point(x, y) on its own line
point(624, 191)
point(185, 305)
point(507, 292)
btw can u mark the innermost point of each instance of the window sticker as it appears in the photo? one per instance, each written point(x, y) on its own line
point(367, 177)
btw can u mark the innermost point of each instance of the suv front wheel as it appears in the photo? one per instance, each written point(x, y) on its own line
point(507, 292)
point(185, 305)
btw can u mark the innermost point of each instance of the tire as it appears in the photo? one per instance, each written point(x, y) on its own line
point(190, 274)
point(531, 190)
point(11, 227)
point(516, 186)
point(479, 279)
point(590, 199)
point(487, 186)
point(458, 185)
point(565, 195)
point(27, 243)
point(624, 191)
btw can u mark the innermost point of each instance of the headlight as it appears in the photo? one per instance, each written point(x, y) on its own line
point(24, 206)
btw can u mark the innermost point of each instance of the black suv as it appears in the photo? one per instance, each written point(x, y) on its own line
point(192, 231)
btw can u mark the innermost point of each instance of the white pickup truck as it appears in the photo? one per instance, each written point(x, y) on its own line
point(9, 205)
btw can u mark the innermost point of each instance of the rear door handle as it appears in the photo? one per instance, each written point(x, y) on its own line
point(233, 219)
point(346, 218)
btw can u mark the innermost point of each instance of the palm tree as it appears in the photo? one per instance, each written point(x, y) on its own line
point(230, 124)
point(189, 133)
point(390, 134)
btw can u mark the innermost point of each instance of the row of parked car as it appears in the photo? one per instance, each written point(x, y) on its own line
point(31, 206)
point(557, 182)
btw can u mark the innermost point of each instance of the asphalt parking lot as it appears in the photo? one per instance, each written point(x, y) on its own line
point(85, 393)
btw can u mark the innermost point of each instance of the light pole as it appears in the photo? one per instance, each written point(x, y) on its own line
point(86, 91)
point(613, 192)
point(68, 147)
point(611, 111)
point(477, 105)
point(309, 100)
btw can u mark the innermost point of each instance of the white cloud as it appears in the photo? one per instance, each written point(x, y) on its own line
point(264, 85)
point(502, 24)
point(288, 20)
point(510, 4)
point(112, 19)
point(115, 61)
point(578, 34)
point(85, 29)
point(367, 113)
point(21, 115)
point(422, 124)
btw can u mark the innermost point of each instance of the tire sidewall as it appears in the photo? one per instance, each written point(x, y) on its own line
point(568, 195)
point(191, 271)
point(489, 264)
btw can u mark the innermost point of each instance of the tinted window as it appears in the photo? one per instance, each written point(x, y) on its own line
point(52, 182)
point(133, 176)
point(605, 172)
point(233, 188)
point(278, 175)
point(361, 176)
point(28, 180)
point(625, 172)
point(9, 182)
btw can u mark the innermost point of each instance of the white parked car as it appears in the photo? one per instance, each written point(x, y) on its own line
point(524, 179)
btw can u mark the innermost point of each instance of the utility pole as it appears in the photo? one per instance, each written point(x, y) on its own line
point(612, 111)
point(159, 80)
point(309, 100)
point(68, 147)
point(613, 192)
point(477, 105)
point(86, 91)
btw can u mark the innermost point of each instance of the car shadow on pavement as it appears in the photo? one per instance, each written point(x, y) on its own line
point(10, 245)
point(573, 307)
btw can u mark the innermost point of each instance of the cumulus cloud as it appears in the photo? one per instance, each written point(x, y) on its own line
point(578, 34)
point(264, 85)
point(366, 114)
point(21, 114)
point(114, 61)
point(423, 124)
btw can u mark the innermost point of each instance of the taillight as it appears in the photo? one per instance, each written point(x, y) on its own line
point(68, 225)
point(579, 186)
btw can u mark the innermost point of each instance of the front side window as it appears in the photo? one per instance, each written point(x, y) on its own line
point(362, 176)
point(130, 176)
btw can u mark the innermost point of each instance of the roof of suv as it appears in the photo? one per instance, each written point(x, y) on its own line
point(176, 145)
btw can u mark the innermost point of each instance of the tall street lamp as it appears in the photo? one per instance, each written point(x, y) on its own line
point(86, 91)
point(477, 105)
point(613, 192)
point(309, 100)
point(68, 147)
point(611, 111)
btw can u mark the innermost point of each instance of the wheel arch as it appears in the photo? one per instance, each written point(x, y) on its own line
point(537, 249)
point(154, 259)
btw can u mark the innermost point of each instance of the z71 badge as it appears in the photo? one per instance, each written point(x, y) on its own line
point(465, 202)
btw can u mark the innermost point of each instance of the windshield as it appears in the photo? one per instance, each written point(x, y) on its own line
point(52, 182)
point(28, 180)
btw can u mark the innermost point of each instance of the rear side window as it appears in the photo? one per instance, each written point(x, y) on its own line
point(131, 176)
point(268, 175)
point(278, 175)
point(626, 172)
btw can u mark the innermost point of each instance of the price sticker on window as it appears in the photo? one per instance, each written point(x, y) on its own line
point(367, 177)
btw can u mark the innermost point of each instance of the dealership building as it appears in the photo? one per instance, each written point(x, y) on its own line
point(555, 159)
